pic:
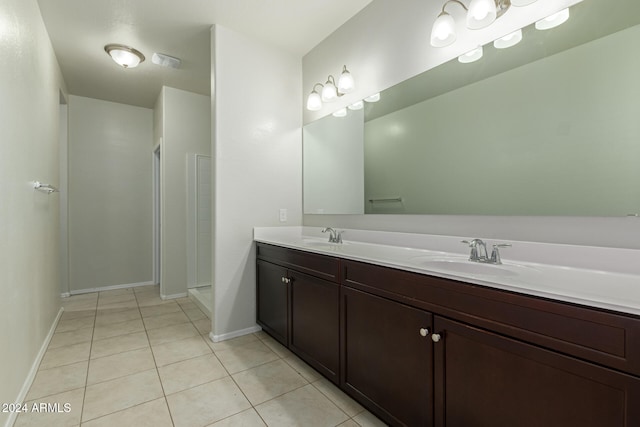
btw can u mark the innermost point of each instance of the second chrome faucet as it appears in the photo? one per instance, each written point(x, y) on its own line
point(479, 251)
point(334, 236)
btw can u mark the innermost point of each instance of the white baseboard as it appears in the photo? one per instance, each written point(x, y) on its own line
point(234, 334)
point(65, 295)
point(110, 288)
point(34, 369)
point(174, 296)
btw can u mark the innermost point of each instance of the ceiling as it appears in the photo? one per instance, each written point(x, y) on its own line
point(79, 30)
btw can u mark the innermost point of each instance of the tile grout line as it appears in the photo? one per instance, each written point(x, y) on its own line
point(86, 379)
point(155, 362)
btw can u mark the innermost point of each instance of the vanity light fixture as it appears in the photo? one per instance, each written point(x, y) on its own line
point(125, 56)
point(373, 98)
point(340, 113)
point(471, 56)
point(509, 40)
point(522, 2)
point(330, 91)
point(358, 105)
point(480, 14)
point(553, 21)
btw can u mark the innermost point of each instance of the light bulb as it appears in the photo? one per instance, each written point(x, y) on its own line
point(345, 82)
point(509, 40)
point(443, 32)
point(329, 92)
point(358, 105)
point(340, 113)
point(471, 56)
point(481, 14)
point(553, 20)
point(314, 103)
point(373, 98)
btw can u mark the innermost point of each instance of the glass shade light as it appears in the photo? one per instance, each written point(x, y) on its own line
point(358, 105)
point(314, 102)
point(329, 91)
point(345, 81)
point(481, 14)
point(522, 2)
point(553, 21)
point(443, 32)
point(125, 56)
point(340, 113)
point(471, 56)
point(373, 98)
point(508, 40)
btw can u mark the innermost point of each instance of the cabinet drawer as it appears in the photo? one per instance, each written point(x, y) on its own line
point(322, 266)
point(607, 338)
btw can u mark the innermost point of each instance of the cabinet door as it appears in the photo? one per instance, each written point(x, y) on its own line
point(388, 363)
point(272, 300)
point(485, 379)
point(315, 322)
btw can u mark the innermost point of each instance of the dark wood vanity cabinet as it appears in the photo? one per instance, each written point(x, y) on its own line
point(388, 357)
point(273, 300)
point(486, 379)
point(298, 304)
point(418, 350)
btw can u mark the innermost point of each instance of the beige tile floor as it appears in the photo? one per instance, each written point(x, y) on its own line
point(128, 358)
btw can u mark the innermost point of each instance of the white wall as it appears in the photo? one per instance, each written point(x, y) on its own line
point(185, 128)
point(257, 158)
point(110, 210)
point(29, 233)
point(369, 44)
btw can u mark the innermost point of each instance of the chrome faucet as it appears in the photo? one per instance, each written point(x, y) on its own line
point(334, 236)
point(479, 251)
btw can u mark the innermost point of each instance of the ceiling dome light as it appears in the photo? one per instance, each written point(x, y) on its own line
point(471, 56)
point(553, 20)
point(481, 14)
point(508, 40)
point(373, 98)
point(443, 32)
point(125, 56)
point(522, 2)
point(345, 81)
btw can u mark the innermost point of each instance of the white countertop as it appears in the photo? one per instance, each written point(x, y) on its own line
point(607, 278)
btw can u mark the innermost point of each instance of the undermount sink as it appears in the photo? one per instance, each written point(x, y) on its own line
point(466, 267)
point(320, 243)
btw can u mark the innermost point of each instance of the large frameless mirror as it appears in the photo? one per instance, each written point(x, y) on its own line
point(547, 127)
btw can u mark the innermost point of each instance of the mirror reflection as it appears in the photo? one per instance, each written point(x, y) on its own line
point(547, 127)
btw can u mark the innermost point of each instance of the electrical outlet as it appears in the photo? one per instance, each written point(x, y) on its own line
point(283, 215)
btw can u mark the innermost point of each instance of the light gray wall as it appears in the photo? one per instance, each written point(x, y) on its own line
point(368, 45)
point(185, 128)
point(562, 139)
point(257, 159)
point(110, 194)
point(333, 165)
point(29, 232)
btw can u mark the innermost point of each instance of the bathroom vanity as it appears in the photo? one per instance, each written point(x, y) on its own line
point(419, 346)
